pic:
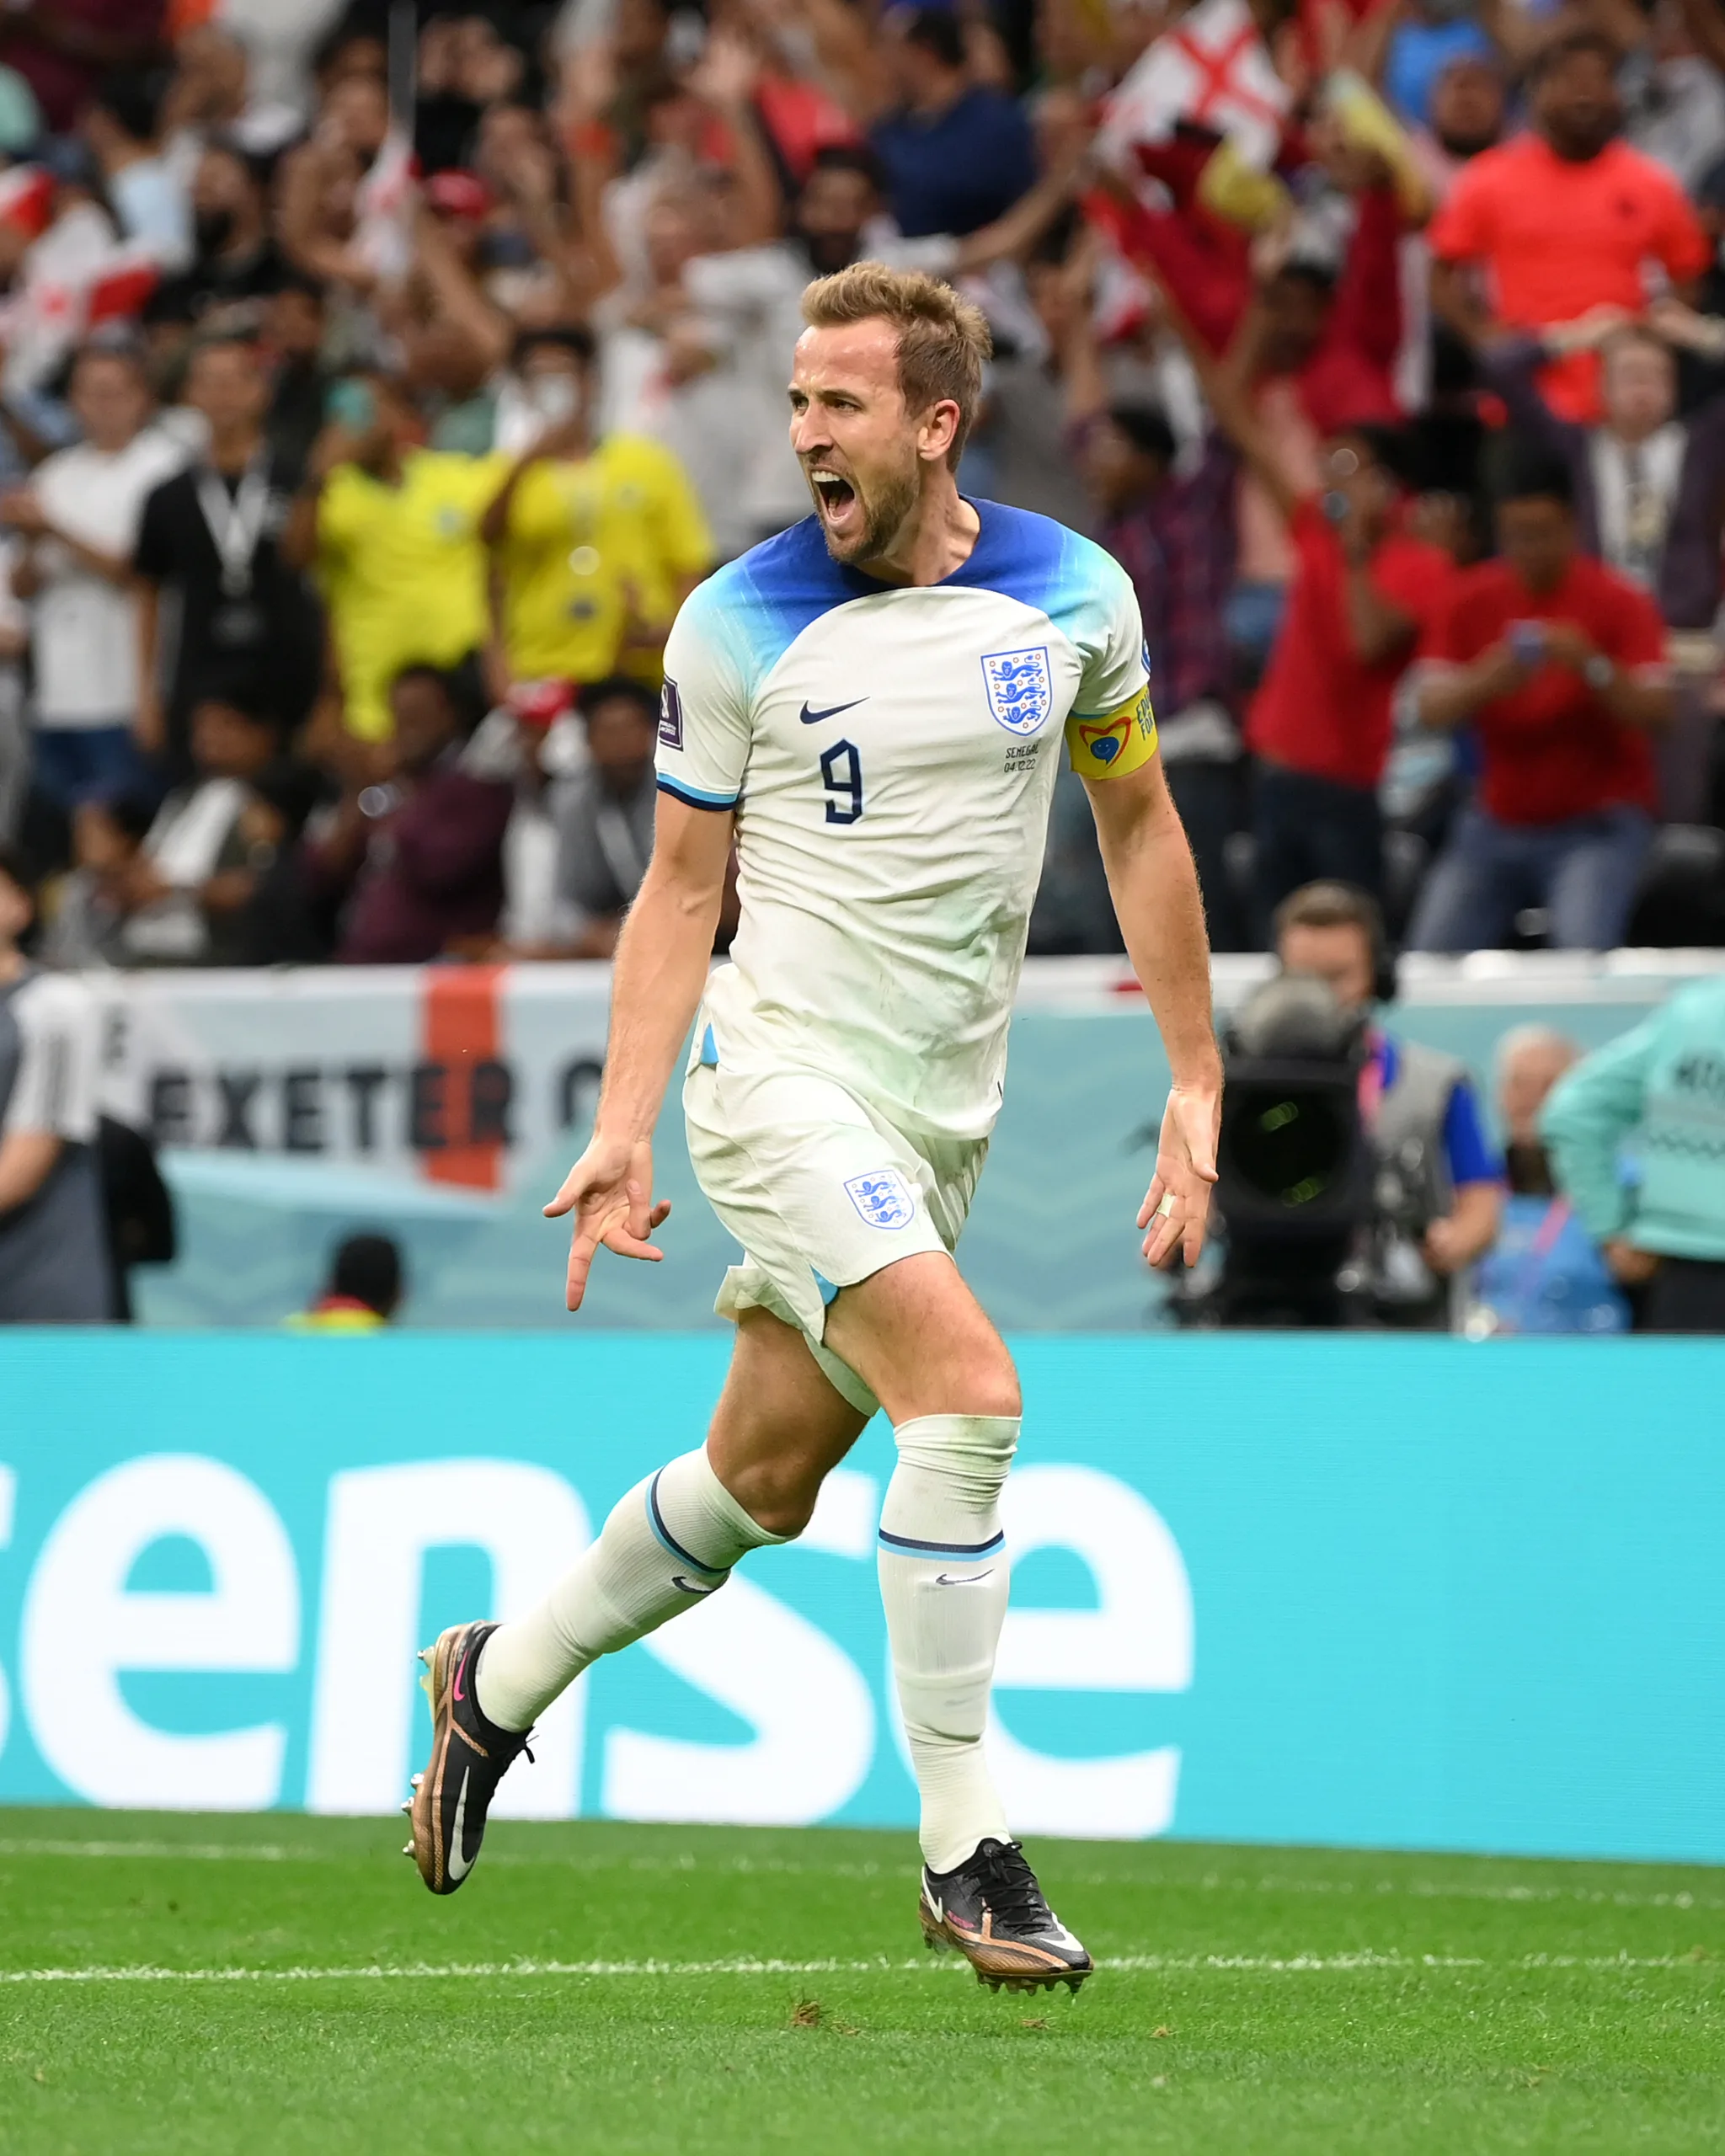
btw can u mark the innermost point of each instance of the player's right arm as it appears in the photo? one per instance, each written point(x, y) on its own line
point(662, 957)
point(666, 943)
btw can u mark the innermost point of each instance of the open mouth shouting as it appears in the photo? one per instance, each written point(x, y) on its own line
point(836, 499)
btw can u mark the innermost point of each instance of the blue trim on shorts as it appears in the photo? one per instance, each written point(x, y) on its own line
point(827, 1289)
point(655, 1520)
point(905, 1546)
point(709, 1051)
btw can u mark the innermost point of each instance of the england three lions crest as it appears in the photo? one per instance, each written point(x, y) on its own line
point(884, 1198)
point(1021, 691)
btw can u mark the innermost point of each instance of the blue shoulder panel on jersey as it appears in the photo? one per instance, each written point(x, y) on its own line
point(1033, 558)
point(756, 607)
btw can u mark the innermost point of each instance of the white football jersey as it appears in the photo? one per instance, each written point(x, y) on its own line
point(890, 754)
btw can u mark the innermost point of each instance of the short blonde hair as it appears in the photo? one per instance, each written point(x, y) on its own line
point(943, 339)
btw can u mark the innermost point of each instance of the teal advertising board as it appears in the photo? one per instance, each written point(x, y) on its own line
point(1365, 1590)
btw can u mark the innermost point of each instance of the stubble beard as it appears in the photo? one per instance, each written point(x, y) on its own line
point(889, 502)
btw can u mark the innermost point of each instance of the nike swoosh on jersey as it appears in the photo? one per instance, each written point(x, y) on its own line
point(814, 717)
point(455, 1859)
point(970, 1579)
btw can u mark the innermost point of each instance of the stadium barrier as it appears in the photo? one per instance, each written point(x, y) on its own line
point(1379, 1591)
point(447, 1103)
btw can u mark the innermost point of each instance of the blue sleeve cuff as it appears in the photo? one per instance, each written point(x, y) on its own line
point(695, 797)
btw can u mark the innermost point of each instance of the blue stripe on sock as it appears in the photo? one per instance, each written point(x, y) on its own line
point(655, 1520)
point(905, 1546)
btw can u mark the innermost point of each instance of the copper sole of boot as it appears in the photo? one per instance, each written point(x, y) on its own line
point(424, 1808)
point(991, 1964)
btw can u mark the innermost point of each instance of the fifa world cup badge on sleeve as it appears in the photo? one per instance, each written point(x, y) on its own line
point(1020, 688)
point(670, 716)
point(883, 1199)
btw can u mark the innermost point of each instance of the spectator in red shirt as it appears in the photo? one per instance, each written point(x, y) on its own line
point(422, 853)
point(1334, 337)
point(1556, 663)
point(1318, 351)
point(1320, 725)
point(1363, 591)
point(1562, 220)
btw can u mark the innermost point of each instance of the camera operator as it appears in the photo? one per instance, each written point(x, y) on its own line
point(1439, 1193)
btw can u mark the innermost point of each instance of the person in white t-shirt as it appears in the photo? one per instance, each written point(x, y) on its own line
point(79, 521)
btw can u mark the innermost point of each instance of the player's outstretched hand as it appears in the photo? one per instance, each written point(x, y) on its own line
point(1177, 1206)
point(610, 1192)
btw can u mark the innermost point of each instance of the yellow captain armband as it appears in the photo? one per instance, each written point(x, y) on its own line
point(1109, 747)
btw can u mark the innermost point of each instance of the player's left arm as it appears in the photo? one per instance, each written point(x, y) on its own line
point(1155, 890)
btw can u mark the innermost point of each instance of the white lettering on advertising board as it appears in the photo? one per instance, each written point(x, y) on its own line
point(814, 1735)
point(83, 1628)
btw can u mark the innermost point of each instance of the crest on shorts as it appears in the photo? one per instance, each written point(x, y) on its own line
point(883, 1199)
point(1021, 691)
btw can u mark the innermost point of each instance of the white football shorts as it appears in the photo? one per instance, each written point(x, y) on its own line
point(820, 1192)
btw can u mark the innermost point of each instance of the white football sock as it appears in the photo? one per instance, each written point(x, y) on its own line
point(667, 1545)
point(943, 1579)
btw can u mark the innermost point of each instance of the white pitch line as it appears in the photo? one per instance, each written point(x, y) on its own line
point(198, 1852)
point(1129, 1964)
point(1378, 1891)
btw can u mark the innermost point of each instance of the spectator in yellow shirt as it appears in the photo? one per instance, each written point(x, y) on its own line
point(596, 543)
point(392, 531)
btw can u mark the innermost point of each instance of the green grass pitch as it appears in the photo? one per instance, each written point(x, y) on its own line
point(192, 1985)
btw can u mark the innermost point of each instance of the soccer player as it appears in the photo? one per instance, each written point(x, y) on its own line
point(873, 702)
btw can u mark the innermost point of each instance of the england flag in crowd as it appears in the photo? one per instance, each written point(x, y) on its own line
point(1212, 71)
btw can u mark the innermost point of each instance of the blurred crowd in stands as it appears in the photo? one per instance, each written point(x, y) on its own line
point(374, 382)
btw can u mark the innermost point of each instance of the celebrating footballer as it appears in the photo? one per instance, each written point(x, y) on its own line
point(870, 706)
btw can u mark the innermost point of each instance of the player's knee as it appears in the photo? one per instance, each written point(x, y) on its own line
point(778, 1495)
point(976, 1384)
point(993, 1392)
